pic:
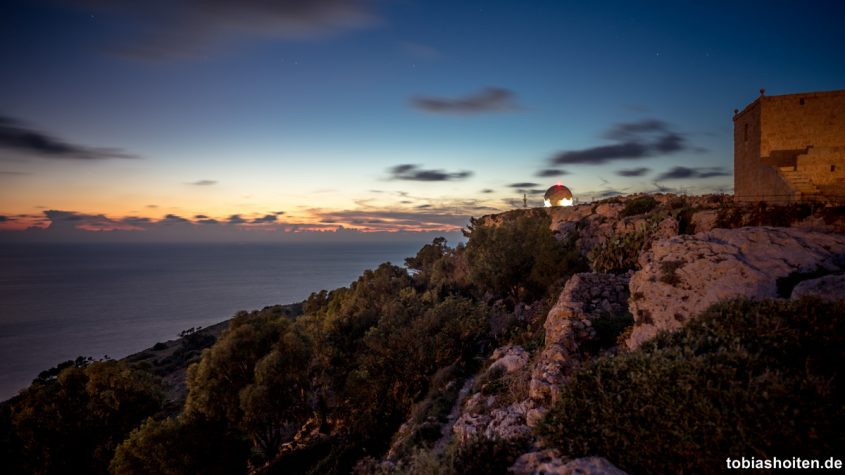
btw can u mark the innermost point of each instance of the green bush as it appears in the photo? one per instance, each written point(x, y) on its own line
point(746, 378)
point(519, 256)
point(636, 206)
point(619, 253)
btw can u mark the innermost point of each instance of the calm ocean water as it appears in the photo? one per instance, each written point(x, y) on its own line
point(61, 301)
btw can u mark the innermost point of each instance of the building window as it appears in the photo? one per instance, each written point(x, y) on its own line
point(833, 168)
point(801, 101)
point(746, 132)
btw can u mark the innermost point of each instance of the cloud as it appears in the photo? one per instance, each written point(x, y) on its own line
point(235, 219)
point(490, 99)
point(174, 219)
point(267, 218)
point(415, 173)
point(524, 184)
point(551, 172)
point(12, 173)
point(59, 215)
point(16, 136)
point(203, 182)
point(634, 141)
point(278, 213)
point(487, 190)
point(425, 219)
point(680, 173)
point(608, 193)
point(172, 29)
point(136, 221)
point(633, 171)
point(3, 219)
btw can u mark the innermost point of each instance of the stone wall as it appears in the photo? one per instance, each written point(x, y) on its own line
point(804, 131)
point(825, 166)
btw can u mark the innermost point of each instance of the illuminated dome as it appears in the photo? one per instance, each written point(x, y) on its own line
point(558, 195)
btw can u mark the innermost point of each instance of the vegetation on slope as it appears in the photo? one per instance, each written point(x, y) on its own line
point(314, 393)
point(753, 379)
point(328, 389)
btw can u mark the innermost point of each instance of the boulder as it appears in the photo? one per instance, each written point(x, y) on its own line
point(683, 275)
point(509, 358)
point(830, 287)
point(508, 423)
point(470, 426)
point(703, 221)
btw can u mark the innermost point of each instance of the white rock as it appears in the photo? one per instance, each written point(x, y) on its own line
point(718, 265)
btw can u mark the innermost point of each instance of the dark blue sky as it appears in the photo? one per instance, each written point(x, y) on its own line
point(216, 108)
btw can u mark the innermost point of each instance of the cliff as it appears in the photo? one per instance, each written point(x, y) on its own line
point(640, 334)
point(658, 262)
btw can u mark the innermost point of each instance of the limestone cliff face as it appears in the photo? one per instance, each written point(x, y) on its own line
point(694, 252)
point(568, 327)
point(683, 275)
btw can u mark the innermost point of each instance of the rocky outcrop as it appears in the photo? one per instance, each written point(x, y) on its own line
point(548, 462)
point(494, 416)
point(509, 358)
point(829, 287)
point(568, 325)
point(683, 275)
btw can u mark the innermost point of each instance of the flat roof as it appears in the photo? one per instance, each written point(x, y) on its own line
point(835, 92)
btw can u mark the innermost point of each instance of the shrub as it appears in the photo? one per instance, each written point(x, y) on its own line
point(519, 257)
point(669, 272)
point(483, 456)
point(636, 206)
point(761, 379)
point(619, 253)
point(609, 327)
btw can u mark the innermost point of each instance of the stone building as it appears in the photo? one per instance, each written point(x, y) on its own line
point(791, 148)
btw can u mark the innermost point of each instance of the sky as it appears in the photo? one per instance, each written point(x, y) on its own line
point(347, 119)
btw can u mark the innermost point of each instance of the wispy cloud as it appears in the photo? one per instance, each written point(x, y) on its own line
point(491, 99)
point(634, 141)
point(684, 173)
point(267, 218)
point(171, 29)
point(523, 184)
point(18, 137)
point(203, 182)
point(631, 172)
point(551, 172)
point(415, 173)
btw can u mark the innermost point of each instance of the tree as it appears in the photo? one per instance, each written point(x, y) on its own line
point(74, 422)
point(275, 406)
point(176, 446)
point(519, 256)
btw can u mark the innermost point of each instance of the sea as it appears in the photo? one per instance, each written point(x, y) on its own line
point(60, 301)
